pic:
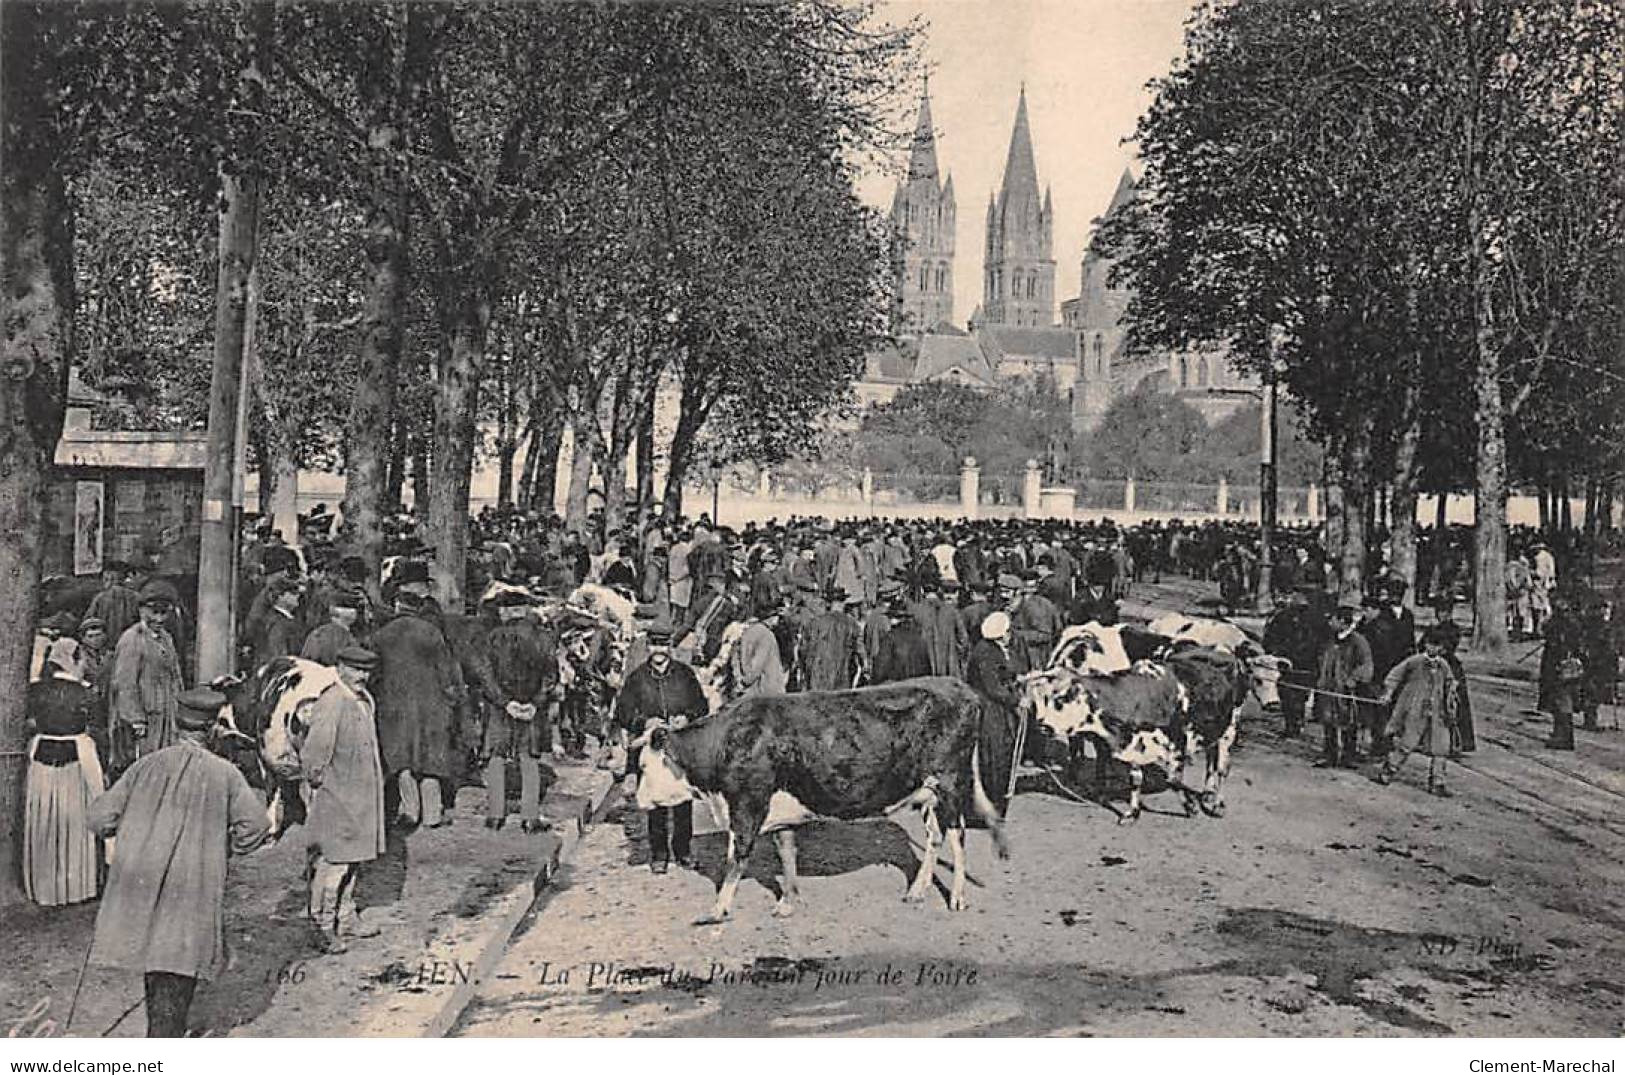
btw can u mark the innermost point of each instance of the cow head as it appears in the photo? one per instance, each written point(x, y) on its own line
point(1264, 672)
point(270, 709)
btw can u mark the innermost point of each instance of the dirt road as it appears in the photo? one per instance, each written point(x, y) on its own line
point(1322, 904)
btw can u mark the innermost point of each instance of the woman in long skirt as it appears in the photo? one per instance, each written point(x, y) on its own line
point(1423, 691)
point(60, 859)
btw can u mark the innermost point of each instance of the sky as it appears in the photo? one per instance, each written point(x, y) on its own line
point(1085, 64)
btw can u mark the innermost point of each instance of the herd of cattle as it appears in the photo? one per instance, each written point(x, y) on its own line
point(1156, 696)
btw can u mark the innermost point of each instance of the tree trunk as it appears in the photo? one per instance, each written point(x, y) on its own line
point(525, 493)
point(395, 483)
point(646, 467)
point(689, 422)
point(283, 474)
point(1565, 504)
point(1356, 512)
point(614, 471)
point(455, 411)
point(370, 448)
point(36, 303)
point(1441, 517)
point(507, 448)
point(1402, 496)
point(547, 462)
point(1490, 471)
point(1333, 477)
point(575, 504)
point(1545, 503)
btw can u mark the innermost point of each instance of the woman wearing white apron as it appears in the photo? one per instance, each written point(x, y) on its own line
point(60, 860)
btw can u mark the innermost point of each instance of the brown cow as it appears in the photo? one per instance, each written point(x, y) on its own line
point(843, 754)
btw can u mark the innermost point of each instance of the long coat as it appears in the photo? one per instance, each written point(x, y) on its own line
point(945, 636)
point(831, 651)
point(989, 672)
point(903, 653)
point(145, 682)
point(341, 765)
point(178, 814)
point(1423, 690)
point(417, 689)
point(757, 668)
point(1345, 669)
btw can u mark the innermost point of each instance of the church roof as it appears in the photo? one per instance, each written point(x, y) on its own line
point(889, 363)
point(946, 328)
point(940, 355)
point(922, 156)
point(1020, 169)
point(1000, 342)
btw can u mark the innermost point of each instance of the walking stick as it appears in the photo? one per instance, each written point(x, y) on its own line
point(73, 1004)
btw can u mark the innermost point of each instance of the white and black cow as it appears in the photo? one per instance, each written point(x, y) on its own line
point(1139, 717)
point(268, 709)
point(848, 755)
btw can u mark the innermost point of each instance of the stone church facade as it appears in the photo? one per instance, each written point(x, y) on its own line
point(1013, 333)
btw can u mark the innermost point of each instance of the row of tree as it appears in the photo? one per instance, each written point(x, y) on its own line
point(411, 221)
point(1410, 213)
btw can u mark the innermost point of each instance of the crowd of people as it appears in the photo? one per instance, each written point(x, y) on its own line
point(420, 698)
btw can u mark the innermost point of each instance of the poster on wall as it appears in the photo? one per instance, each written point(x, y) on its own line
point(87, 528)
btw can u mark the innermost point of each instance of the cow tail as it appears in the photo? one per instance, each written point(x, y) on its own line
point(984, 805)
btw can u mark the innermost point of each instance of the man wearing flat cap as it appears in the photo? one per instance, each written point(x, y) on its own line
point(145, 681)
point(178, 813)
point(660, 695)
point(341, 766)
point(518, 722)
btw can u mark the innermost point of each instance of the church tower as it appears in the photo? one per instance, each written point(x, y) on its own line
point(922, 220)
point(1018, 268)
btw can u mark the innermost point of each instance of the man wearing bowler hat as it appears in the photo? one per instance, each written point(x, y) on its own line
point(178, 813)
point(660, 695)
point(346, 813)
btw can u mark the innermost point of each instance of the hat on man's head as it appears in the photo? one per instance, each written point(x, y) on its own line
point(62, 622)
point(410, 572)
point(90, 623)
point(1008, 581)
point(159, 592)
point(280, 558)
point(358, 657)
point(659, 633)
point(197, 709)
point(348, 598)
point(1346, 612)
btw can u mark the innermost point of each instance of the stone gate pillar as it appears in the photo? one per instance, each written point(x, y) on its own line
point(1223, 505)
point(970, 487)
point(1314, 502)
point(868, 488)
point(1032, 489)
point(1128, 496)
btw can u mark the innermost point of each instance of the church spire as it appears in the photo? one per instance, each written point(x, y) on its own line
point(922, 157)
point(1020, 170)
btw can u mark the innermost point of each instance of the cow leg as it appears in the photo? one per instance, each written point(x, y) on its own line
point(1136, 777)
point(928, 858)
point(956, 846)
point(1218, 767)
point(786, 839)
point(741, 840)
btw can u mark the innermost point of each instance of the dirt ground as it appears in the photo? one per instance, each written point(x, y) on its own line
point(432, 894)
point(1321, 904)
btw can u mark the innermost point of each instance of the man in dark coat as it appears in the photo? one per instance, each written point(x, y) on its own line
point(1562, 668)
point(524, 666)
point(1297, 631)
point(1037, 622)
point(975, 611)
point(116, 605)
point(280, 632)
point(664, 690)
point(903, 651)
point(830, 652)
point(943, 630)
point(1391, 634)
point(419, 688)
point(1342, 685)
